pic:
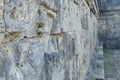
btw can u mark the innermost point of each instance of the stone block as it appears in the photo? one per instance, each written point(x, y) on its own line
point(1, 12)
point(2, 28)
point(1, 3)
point(2, 35)
point(1, 19)
point(2, 78)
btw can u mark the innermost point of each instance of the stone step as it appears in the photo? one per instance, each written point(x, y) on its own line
point(110, 79)
point(99, 70)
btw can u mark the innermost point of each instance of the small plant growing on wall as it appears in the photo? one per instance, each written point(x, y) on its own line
point(39, 26)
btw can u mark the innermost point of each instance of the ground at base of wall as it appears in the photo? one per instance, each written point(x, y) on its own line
point(111, 64)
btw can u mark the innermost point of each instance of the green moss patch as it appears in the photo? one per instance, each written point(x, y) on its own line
point(107, 53)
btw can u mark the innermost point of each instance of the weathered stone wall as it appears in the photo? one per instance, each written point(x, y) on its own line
point(91, 68)
point(109, 29)
point(109, 22)
point(46, 39)
point(96, 67)
point(109, 5)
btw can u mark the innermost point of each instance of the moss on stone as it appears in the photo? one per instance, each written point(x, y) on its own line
point(39, 26)
point(107, 53)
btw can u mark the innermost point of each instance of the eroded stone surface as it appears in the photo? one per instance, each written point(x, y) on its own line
point(112, 69)
point(109, 29)
point(109, 5)
point(46, 39)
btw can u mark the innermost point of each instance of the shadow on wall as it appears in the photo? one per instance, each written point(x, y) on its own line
point(109, 5)
point(111, 46)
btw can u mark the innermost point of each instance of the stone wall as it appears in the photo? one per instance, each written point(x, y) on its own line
point(109, 31)
point(109, 5)
point(109, 22)
point(46, 39)
point(90, 75)
point(96, 65)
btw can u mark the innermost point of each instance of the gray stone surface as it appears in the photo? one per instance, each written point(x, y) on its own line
point(109, 29)
point(109, 5)
point(112, 64)
point(109, 22)
point(46, 39)
point(99, 69)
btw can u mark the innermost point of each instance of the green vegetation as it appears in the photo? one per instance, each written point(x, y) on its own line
point(107, 53)
point(17, 36)
point(39, 33)
point(39, 26)
point(106, 66)
point(94, 78)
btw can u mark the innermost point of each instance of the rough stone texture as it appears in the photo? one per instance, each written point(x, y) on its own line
point(112, 64)
point(46, 39)
point(96, 66)
point(99, 68)
point(109, 29)
point(92, 65)
point(2, 26)
point(109, 5)
point(109, 23)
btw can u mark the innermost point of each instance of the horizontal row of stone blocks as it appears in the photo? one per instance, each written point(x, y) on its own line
point(1, 11)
